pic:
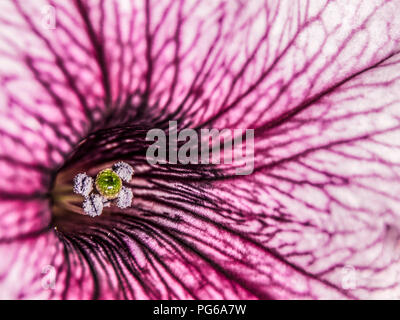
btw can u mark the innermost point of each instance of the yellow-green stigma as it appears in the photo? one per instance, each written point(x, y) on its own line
point(108, 184)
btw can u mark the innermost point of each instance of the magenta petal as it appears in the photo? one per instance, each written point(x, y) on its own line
point(319, 83)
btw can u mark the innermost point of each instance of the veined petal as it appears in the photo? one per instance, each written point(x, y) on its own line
point(318, 81)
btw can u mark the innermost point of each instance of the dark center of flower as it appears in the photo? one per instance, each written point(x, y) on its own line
point(96, 156)
point(99, 155)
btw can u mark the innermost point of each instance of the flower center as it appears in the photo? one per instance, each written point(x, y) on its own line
point(108, 183)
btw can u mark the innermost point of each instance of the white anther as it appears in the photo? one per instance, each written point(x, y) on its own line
point(83, 184)
point(93, 205)
point(125, 197)
point(123, 170)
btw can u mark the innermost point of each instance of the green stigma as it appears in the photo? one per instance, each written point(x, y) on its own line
point(108, 184)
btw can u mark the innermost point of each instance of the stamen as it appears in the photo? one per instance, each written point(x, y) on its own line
point(125, 197)
point(83, 184)
point(123, 170)
point(93, 205)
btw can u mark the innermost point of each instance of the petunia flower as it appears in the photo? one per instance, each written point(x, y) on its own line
point(82, 82)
